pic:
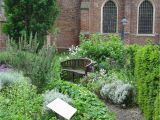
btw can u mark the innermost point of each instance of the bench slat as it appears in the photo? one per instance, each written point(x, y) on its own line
point(75, 71)
point(74, 68)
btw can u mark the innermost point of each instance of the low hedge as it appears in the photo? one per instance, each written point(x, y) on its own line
point(147, 77)
point(88, 105)
point(157, 108)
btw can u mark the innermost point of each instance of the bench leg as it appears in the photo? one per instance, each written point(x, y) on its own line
point(73, 77)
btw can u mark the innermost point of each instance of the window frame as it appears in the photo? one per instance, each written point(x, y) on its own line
point(153, 27)
point(116, 4)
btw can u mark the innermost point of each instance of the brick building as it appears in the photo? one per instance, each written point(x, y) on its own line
point(104, 16)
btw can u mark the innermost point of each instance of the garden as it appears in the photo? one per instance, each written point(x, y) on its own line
point(124, 76)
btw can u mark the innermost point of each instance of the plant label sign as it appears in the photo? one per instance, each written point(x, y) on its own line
point(62, 108)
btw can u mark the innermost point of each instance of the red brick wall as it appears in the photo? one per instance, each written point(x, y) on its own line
point(95, 15)
point(127, 8)
point(84, 21)
point(68, 23)
point(76, 17)
point(2, 42)
point(2, 38)
point(134, 38)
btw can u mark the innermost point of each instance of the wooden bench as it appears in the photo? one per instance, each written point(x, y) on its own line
point(76, 68)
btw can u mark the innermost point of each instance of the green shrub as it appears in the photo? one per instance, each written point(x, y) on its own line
point(88, 105)
point(20, 102)
point(56, 69)
point(130, 57)
point(147, 76)
point(29, 16)
point(157, 108)
point(42, 66)
point(37, 66)
point(94, 81)
point(99, 47)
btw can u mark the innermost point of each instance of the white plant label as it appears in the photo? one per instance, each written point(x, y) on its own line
point(62, 108)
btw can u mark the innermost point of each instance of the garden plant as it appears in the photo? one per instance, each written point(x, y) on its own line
point(125, 75)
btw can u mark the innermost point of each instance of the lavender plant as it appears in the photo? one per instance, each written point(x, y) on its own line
point(118, 92)
point(50, 96)
point(9, 78)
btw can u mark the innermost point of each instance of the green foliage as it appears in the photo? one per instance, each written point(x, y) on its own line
point(10, 77)
point(99, 47)
point(123, 74)
point(37, 66)
point(56, 69)
point(94, 81)
point(20, 102)
point(25, 44)
point(42, 66)
point(112, 86)
point(157, 108)
point(36, 16)
point(88, 105)
point(147, 75)
point(130, 56)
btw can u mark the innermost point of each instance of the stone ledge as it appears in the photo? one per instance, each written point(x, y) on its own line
point(85, 5)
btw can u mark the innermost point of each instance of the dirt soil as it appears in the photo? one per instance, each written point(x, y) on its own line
point(132, 113)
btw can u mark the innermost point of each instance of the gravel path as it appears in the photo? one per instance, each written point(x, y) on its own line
point(125, 114)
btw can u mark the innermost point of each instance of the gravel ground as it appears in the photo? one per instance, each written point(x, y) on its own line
point(125, 114)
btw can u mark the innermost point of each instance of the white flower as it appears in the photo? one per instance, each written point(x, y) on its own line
point(74, 50)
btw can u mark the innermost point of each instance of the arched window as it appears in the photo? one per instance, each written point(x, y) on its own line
point(146, 14)
point(109, 17)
